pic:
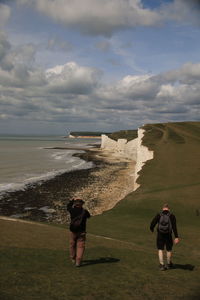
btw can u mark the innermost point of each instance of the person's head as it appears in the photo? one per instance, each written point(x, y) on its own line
point(166, 206)
point(78, 202)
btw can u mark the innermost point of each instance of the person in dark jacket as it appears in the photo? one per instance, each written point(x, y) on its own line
point(79, 217)
point(165, 240)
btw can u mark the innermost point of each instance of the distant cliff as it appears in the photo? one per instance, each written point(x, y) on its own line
point(85, 134)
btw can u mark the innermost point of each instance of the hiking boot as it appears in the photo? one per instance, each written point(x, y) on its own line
point(169, 266)
point(162, 267)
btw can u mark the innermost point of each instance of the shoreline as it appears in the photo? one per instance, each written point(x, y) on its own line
point(99, 186)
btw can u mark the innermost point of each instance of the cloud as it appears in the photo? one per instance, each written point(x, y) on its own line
point(17, 65)
point(97, 17)
point(72, 78)
point(106, 17)
point(156, 97)
point(76, 94)
point(5, 47)
point(189, 73)
point(56, 44)
point(103, 45)
point(138, 87)
point(183, 11)
point(4, 14)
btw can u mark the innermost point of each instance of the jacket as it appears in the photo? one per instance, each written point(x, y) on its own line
point(172, 219)
point(75, 212)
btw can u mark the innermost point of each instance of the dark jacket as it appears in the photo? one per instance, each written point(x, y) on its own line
point(173, 222)
point(75, 212)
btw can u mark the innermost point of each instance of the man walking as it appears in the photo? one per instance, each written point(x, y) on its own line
point(79, 217)
point(166, 224)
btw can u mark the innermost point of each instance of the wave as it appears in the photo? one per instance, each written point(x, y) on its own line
point(66, 156)
point(39, 179)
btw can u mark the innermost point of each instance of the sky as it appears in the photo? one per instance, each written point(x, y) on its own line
point(97, 65)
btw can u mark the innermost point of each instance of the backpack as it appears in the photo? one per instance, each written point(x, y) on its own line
point(164, 224)
point(76, 222)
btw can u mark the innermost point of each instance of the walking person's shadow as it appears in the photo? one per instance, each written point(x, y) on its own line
point(187, 267)
point(101, 260)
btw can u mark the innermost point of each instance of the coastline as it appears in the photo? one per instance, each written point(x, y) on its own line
point(102, 186)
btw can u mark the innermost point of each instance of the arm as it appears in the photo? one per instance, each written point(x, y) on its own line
point(174, 227)
point(154, 222)
point(70, 204)
point(87, 214)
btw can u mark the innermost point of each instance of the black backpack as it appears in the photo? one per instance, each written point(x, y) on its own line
point(164, 224)
point(76, 222)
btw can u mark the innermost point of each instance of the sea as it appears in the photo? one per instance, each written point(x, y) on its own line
point(29, 159)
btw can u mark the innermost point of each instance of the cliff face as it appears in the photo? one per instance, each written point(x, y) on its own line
point(143, 154)
point(132, 150)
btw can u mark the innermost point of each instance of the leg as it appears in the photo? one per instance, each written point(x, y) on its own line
point(160, 246)
point(80, 248)
point(160, 257)
point(169, 245)
point(169, 255)
point(72, 245)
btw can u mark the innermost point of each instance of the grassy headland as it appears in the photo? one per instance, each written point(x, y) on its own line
point(34, 257)
point(123, 134)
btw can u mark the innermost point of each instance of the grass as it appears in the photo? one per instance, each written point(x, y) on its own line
point(34, 257)
point(123, 134)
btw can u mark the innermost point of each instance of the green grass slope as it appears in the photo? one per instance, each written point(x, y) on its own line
point(34, 258)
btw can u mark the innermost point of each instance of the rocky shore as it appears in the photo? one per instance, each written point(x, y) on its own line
point(101, 187)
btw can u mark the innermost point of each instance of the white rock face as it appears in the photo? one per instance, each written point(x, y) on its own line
point(107, 143)
point(132, 150)
point(121, 147)
point(143, 154)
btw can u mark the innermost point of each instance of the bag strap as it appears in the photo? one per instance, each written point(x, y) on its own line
point(162, 214)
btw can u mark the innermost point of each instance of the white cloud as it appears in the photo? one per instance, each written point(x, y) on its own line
point(137, 87)
point(72, 78)
point(4, 14)
point(108, 16)
point(189, 73)
point(97, 17)
point(72, 93)
point(166, 91)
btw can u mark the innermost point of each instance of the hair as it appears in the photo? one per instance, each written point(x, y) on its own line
point(166, 205)
point(78, 201)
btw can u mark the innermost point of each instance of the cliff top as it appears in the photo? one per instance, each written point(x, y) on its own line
point(123, 134)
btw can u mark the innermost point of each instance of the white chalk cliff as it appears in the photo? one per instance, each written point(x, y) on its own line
point(132, 150)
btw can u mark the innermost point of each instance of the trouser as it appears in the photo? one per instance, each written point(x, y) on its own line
point(77, 245)
point(164, 240)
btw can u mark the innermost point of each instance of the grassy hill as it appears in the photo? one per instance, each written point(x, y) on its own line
point(34, 257)
point(123, 134)
point(86, 133)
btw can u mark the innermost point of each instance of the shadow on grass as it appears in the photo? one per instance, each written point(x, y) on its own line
point(101, 260)
point(184, 267)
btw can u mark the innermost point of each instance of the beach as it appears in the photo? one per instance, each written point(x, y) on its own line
point(109, 180)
